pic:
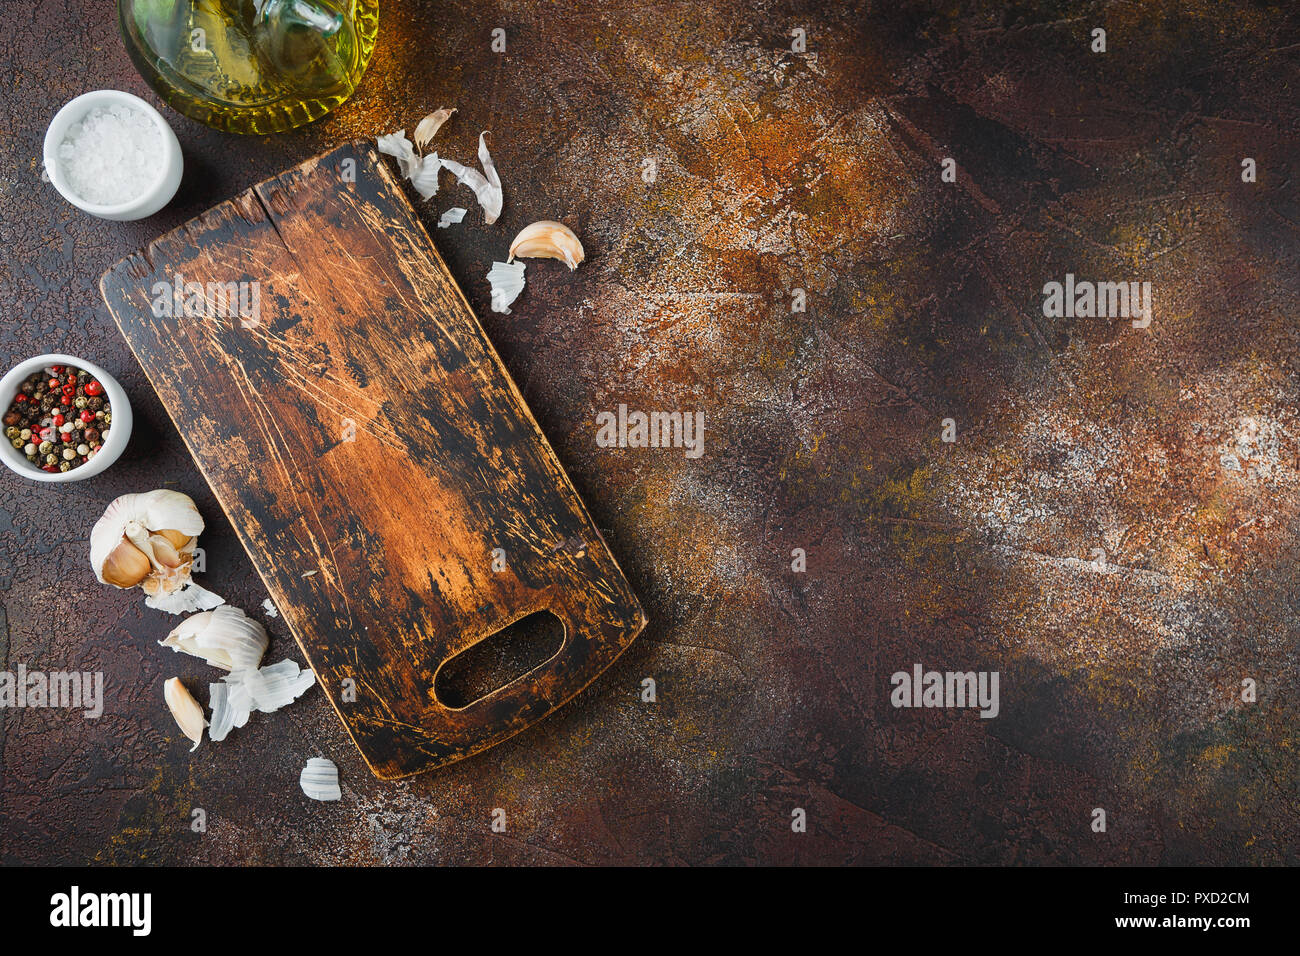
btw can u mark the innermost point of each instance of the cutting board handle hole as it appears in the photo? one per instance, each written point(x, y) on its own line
point(499, 659)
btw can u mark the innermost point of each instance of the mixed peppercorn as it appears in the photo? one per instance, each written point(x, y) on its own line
point(59, 419)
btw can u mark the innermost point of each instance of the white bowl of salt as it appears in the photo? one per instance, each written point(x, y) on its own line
point(113, 155)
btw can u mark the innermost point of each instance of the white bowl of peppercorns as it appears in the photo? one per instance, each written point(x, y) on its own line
point(65, 419)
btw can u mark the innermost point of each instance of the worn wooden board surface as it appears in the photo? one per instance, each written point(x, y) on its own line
point(776, 170)
point(381, 469)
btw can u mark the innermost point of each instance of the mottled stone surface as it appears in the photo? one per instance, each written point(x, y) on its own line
point(1173, 449)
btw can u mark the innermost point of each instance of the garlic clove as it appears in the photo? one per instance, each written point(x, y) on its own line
point(165, 554)
point(185, 710)
point(548, 240)
point(126, 566)
point(224, 637)
point(428, 127)
point(178, 539)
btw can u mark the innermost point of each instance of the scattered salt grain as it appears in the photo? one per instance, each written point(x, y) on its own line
point(112, 155)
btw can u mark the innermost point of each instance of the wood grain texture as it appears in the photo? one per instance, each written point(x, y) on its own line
point(360, 321)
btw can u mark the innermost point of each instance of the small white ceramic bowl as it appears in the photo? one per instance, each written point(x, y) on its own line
point(119, 432)
point(157, 195)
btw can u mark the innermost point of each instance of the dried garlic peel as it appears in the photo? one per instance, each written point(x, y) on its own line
point(425, 177)
point(452, 216)
point(244, 691)
point(486, 185)
point(547, 240)
point(185, 710)
point(400, 148)
point(429, 126)
point(320, 779)
point(507, 281)
point(225, 637)
point(148, 540)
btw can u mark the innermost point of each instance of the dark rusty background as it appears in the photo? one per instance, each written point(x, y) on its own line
point(1174, 450)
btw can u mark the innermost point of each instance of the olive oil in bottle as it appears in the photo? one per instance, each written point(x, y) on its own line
point(251, 66)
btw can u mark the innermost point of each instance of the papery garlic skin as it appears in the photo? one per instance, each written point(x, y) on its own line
point(401, 149)
point(320, 780)
point(425, 177)
point(185, 710)
point(507, 282)
point(148, 540)
point(548, 239)
point(265, 689)
point(452, 216)
point(225, 637)
point(486, 185)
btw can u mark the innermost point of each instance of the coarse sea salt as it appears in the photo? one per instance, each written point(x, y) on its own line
point(112, 155)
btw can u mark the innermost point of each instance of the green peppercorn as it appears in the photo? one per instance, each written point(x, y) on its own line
point(18, 443)
point(80, 401)
point(65, 466)
point(46, 447)
point(11, 432)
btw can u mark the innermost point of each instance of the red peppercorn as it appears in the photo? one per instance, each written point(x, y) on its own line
point(20, 397)
point(94, 388)
point(54, 383)
point(56, 369)
point(87, 415)
point(58, 421)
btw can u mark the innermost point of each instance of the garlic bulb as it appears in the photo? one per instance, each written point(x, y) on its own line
point(547, 240)
point(186, 710)
point(148, 540)
point(225, 637)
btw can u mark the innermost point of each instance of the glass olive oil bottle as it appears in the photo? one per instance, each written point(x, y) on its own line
point(251, 66)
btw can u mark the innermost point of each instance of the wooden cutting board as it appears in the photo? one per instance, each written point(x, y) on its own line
point(373, 454)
